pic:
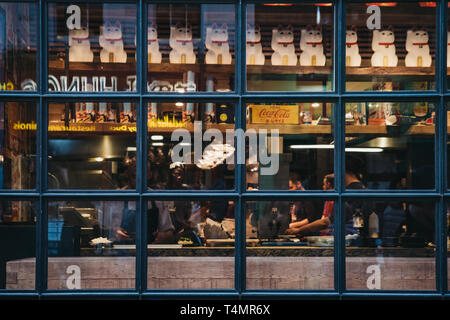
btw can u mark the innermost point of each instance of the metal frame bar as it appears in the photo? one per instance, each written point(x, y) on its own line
point(240, 97)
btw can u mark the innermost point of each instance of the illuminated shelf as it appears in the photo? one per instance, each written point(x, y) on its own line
point(165, 67)
point(93, 128)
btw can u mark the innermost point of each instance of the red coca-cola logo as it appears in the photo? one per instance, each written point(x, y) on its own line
point(276, 114)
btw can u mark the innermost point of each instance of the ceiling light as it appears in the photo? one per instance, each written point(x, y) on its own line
point(363, 150)
point(157, 138)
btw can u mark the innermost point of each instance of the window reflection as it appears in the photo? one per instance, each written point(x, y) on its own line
point(18, 129)
point(18, 46)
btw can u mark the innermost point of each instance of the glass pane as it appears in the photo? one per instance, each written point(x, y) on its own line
point(191, 244)
point(86, 249)
point(92, 47)
point(390, 46)
point(17, 145)
point(393, 246)
point(18, 46)
point(290, 244)
point(191, 146)
point(448, 143)
point(390, 145)
point(290, 145)
point(92, 145)
point(289, 47)
point(18, 244)
point(191, 47)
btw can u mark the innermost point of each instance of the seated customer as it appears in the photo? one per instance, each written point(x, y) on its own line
point(328, 184)
point(351, 182)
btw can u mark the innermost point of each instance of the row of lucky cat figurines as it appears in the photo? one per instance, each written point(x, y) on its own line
point(311, 45)
point(383, 46)
point(180, 41)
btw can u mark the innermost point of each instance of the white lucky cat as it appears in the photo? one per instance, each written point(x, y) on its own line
point(352, 56)
point(217, 44)
point(181, 43)
point(254, 48)
point(112, 43)
point(154, 55)
point(418, 49)
point(80, 46)
point(384, 49)
point(283, 47)
point(311, 44)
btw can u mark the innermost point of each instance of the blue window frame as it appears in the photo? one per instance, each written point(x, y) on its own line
point(240, 97)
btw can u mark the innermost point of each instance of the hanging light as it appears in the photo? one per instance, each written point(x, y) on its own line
point(323, 4)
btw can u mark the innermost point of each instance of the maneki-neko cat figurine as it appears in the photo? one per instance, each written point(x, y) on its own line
point(352, 56)
point(217, 44)
point(153, 53)
point(254, 50)
point(384, 48)
point(311, 44)
point(112, 43)
point(181, 43)
point(283, 46)
point(80, 46)
point(418, 49)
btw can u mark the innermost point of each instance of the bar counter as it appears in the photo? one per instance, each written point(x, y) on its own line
point(296, 268)
point(264, 251)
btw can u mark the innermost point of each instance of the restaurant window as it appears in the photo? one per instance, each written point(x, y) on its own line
point(295, 145)
point(191, 47)
point(91, 47)
point(18, 127)
point(289, 245)
point(398, 237)
point(18, 46)
point(157, 156)
point(390, 145)
point(87, 246)
point(92, 145)
point(289, 47)
point(390, 46)
point(18, 244)
point(191, 244)
point(191, 146)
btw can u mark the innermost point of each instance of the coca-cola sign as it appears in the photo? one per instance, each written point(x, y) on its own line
point(275, 114)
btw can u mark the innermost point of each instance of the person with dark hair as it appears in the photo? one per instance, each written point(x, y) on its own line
point(310, 216)
point(351, 182)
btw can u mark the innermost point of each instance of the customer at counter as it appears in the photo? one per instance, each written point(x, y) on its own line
point(303, 212)
point(327, 220)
